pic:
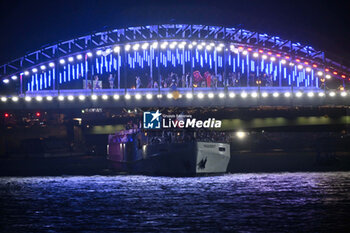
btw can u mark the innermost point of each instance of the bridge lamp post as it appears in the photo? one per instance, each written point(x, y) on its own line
point(28, 98)
point(221, 95)
point(127, 96)
point(211, 95)
point(321, 94)
point(116, 97)
point(149, 96)
point(60, 97)
point(231, 95)
point(3, 99)
point(70, 98)
point(200, 95)
point(49, 98)
point(105, 97)
point(39, 98)
point(81, 97)
point(264, 94)
point(15, 99)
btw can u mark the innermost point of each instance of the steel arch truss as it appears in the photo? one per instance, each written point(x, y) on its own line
point(169, 31)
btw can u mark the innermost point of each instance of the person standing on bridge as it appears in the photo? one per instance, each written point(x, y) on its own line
point(111, 81)
point(138, 82)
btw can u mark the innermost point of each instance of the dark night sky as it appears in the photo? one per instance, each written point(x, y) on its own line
point(28, 25)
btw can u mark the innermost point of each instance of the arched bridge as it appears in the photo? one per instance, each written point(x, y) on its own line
point(174, 65)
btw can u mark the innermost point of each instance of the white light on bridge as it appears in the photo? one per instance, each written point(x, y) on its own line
point(308, 69)
point(255, 55)
point(3, 99)
point(62, 61)
point(328, 76)
point(108, 51)
point(145, 45)
point(200, 95)
point(105, 97)
point(43, 67)
point(138, 96)
point(149, 96)
point(136, 47)
point(14, 77)
point(6, 81)
point(49, 98)
point(208, 47)
point(60, 97)
point(332, 94)
point(116, 97)
point(99, 52)
point(245, 52)
point(89, 54)
point(264, 56)
point(221, 45)
point(26, 72)
point(320, 94)
point(244, 95)
point(310, 94)
point(81, 97)
point(231, 95)
point(218, 48)
point(240, 134)
point(169, 95)
point(300, 67)
point(159, 96)
point(155, 45)
point(127, 96)
point(283, 61)
point(79, 56)
point(287, 94)
point(127, 47)
point(51, 64)
point(27, 98)
point(265, 94)
point(35, 70)
point(343, 93)
point(212, 44)
point(94, 97)
point(254, 94)
point(299, 94)
point(211, 95)
point(39, 98)
point(273, 59)
point(221, 95)
point(275, 94)
point(164, 45)
point(70, 98)
point(70, 59)
point(15, 99)
point(116, 49)
point(319, 73)
point(189, 96)
point(199, 47)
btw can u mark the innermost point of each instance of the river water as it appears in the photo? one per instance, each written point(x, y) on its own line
point(298, 202)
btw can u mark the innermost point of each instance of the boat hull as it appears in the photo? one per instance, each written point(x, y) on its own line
point(175, 159)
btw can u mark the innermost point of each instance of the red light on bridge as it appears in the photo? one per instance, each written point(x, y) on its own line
point(326, 70)
point(240, 47)
point(298, 60)
point(278, 55)
point(306, 63)
point(335, 73)
point(6, 115)
point(269, 53)
point(261, 51)
point(37, 114)
point(314, 65)
point(250, 49)
point(287, 57)
point(343, 76)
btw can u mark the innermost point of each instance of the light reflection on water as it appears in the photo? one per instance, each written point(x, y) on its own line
point(239, 202)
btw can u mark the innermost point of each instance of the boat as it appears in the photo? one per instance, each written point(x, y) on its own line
point(166, 153)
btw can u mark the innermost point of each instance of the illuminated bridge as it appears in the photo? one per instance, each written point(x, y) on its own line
point(173, 65)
